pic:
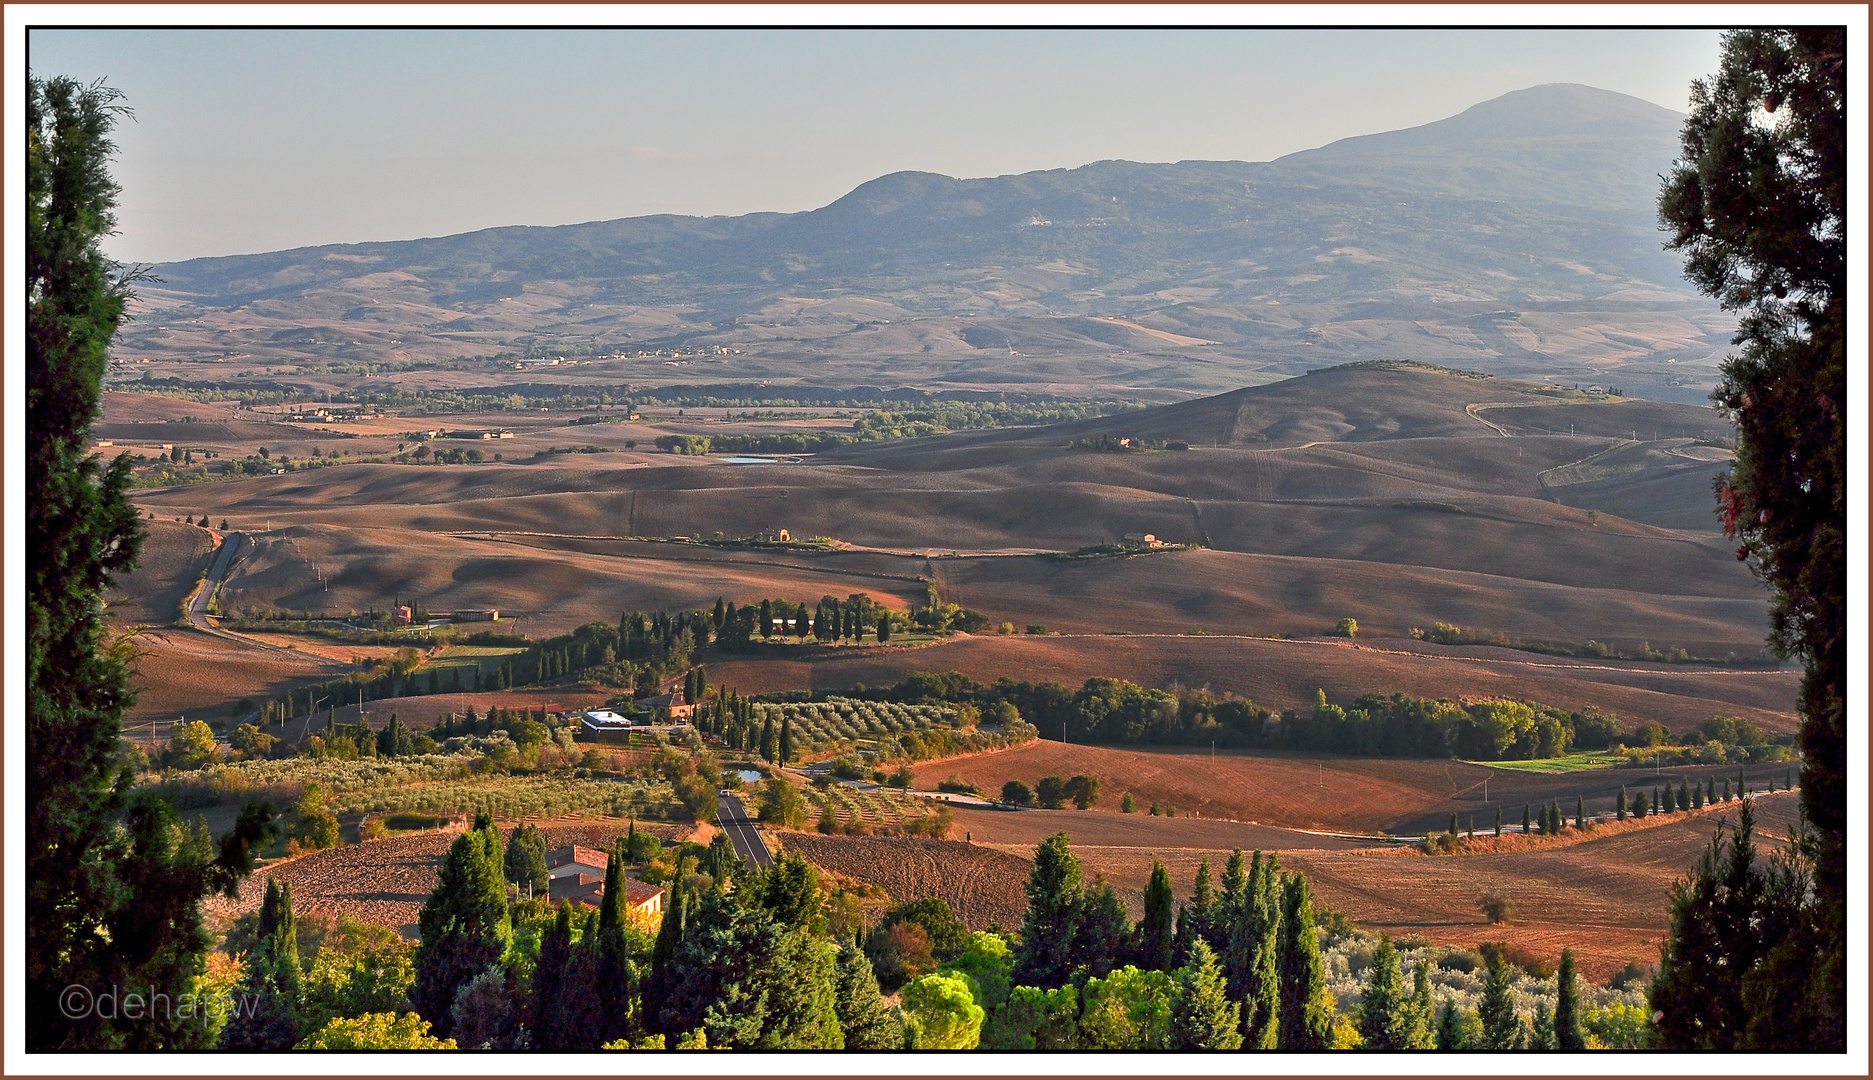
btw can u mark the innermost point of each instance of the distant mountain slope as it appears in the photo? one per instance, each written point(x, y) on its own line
point(1412, 241)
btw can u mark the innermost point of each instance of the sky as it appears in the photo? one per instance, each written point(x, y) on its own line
point(259, 140)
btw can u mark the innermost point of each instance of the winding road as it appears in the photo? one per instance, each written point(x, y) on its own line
point(225, 555)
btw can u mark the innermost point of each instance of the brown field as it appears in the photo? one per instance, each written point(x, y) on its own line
point(1327, 792)
point(982, 886)
point(173, 556)
point(1605, 897)
point(185, 672)
point(1286, 674)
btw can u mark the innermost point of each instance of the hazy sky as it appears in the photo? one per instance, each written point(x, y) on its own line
point(251, 141)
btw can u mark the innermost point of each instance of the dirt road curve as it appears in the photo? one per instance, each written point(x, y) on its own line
point(732, 818)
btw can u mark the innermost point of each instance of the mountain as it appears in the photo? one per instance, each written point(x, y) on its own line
point(1405, 244)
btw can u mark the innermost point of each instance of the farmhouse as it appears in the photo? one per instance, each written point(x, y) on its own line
point(1149, 540)
point(577, 873)
point(668, 706)
point(773, 536)
point(603, 725)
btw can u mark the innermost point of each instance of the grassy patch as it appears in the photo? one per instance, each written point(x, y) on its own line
point(1598, 759)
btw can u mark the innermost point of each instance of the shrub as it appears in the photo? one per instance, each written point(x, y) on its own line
point(1495, 907)
point(960, 787)
point(1018, 793)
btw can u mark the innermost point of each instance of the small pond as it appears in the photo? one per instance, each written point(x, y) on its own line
point(749, 776)
point(738, 459)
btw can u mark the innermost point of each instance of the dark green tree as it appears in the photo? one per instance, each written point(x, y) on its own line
point(884, 628)
point(1104, 939)
point(1757, 204)
point(786, 738)
point(464, 924)
point(1152, 943)
point(525, 860)
point(1202, 1016)
point(1306, 1015)
point(272, 977)
point(1385, 1018)
point(865, 1020)
point(1620, 807)
point(1045, 956)
point(108, 905)
point(1723, 975)
point(549, 984)
point(767, 618)
point(1567, 1030)
point(1449, 1028)
point(1525, 819)
point(1496, 1009)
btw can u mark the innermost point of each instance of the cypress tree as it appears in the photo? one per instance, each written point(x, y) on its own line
point(786, 738)
point(1202, 908)
point(1202, 1016)
point(549, 977)
point(1153, 934)
point(1498, 821)
point(1619, 808)
point(665, 973)
point(272, 978)
point(1306, 1017)
point(1525, 820)
point(1261, 1010)
point(1726, 789)
point(1640, 807)
point(768, 747)
point(1567, 1034)
point(1453, 826)
point(1668, 800)
point(464, 924)
point(767, 618)
point(884, 628)
point(1580, 812)
point(1684, 795)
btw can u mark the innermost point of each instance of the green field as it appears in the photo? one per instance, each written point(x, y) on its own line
point(1571, 763)
point(481, 656)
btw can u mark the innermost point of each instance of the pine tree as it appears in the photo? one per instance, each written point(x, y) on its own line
point(1384, 1018)
point(1420, 1033)
point(1306, 1016)
point(865, 1020)
point(1045, 956)
point(1153, 935)
point(1567, 1033)
point(1449, 1028)
point(1202, 1016)
point(1540, 1036)
point(1501, 1027)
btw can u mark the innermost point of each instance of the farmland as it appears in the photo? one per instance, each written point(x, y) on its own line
point(1368, 493)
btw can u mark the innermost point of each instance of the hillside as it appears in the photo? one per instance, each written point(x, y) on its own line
point(1518, 236)
point(1383, 493)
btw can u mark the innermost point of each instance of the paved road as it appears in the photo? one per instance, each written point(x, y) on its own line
point(224, 556)
point(733, 820)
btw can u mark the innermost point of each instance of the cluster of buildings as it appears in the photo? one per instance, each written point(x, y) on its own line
point(661, 710)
